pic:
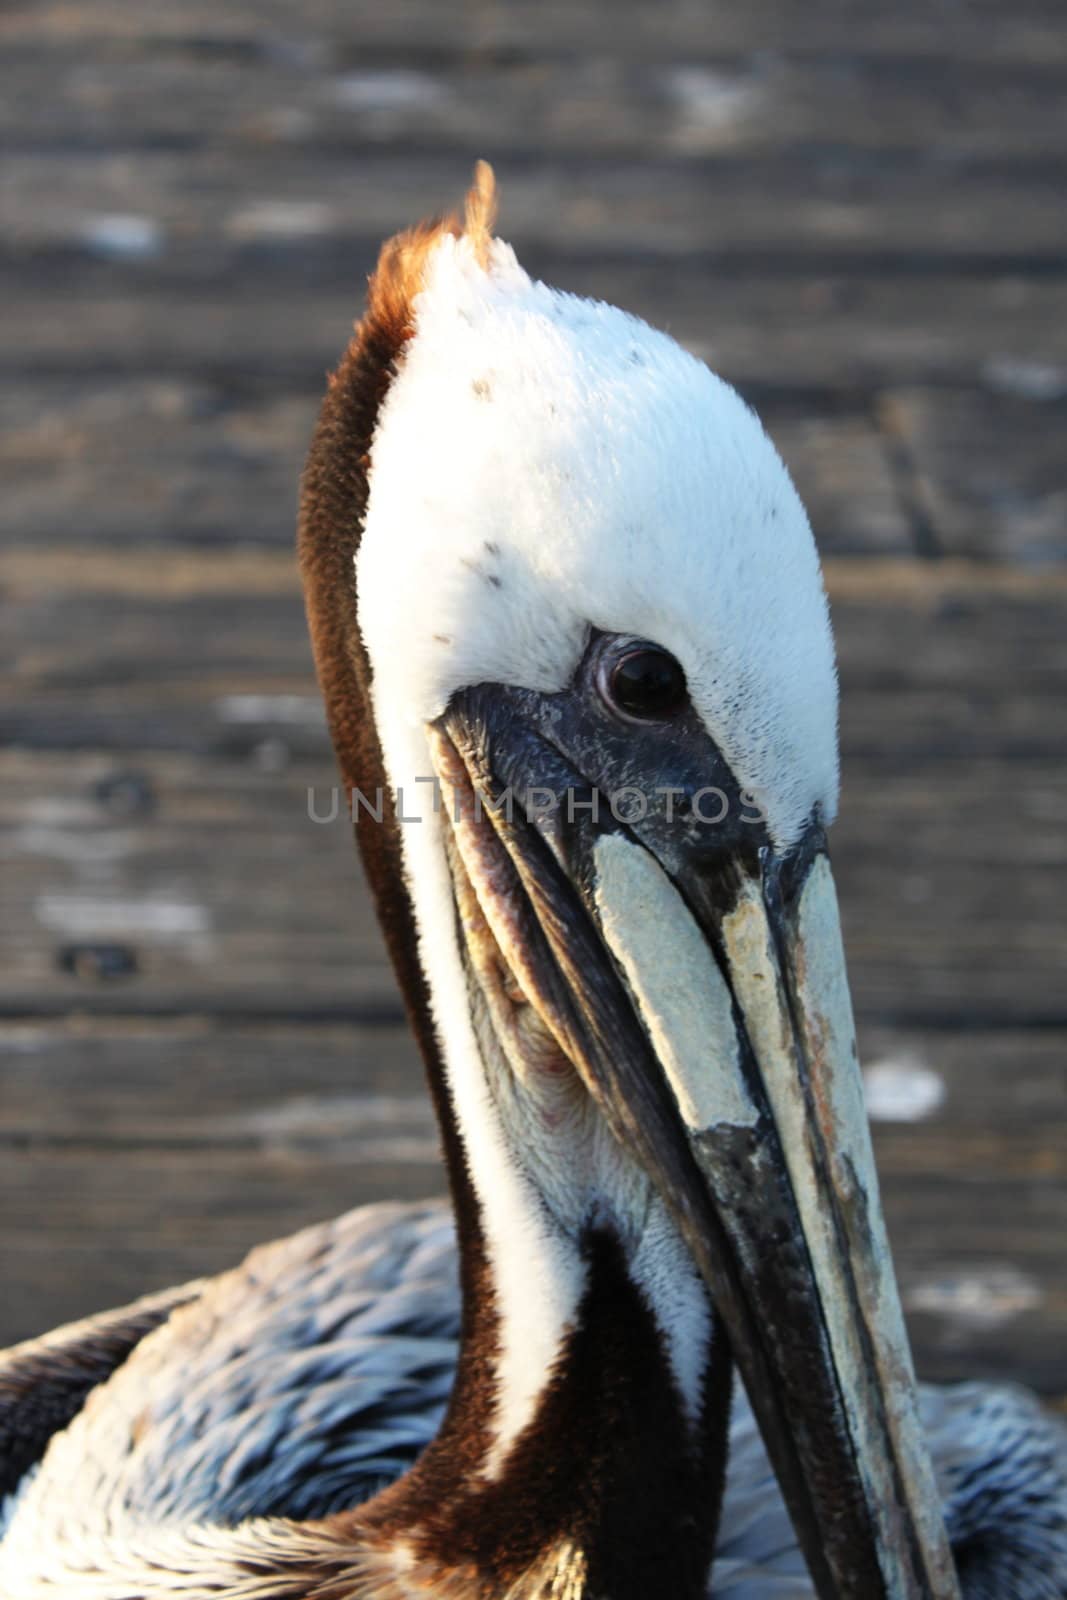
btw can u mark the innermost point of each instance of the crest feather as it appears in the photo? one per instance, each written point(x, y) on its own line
point(481, 212)
point(401, 271)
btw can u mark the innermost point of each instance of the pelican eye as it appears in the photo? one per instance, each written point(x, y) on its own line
point(647, 684)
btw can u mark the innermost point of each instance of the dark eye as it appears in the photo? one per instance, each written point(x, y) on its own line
point(646, 683)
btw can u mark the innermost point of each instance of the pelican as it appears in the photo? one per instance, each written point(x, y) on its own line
point(570, 629)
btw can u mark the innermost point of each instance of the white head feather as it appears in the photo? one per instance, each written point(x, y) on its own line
point(544, 463)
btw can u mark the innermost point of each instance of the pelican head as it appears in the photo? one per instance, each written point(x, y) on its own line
point(569, 619)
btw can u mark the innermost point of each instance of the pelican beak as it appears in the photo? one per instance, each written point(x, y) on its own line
point(696, 981)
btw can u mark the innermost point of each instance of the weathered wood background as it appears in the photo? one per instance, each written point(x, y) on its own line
point(857, 213)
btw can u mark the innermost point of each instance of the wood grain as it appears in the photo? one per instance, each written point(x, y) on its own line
point(855, 214)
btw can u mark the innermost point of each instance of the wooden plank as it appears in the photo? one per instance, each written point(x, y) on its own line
point(959, 676)
point(988, 468)
point(843, 211)
point(142, 460)
point(182, 573)
point(216, 890)
point(31, 573)
point(767, 322)
point(128, 1249)
point(844, 475)
point(75, 1082)
point(100, 1226)
point(125, 461)
point(976, 31)
point(201, 657)
point(134, 1156)
point(967, 1080)
point(130, 461)
point(984, 1295)
point(952, 885)
point(792, 109)
point(857, 224)
point(227, 898)
point(938, 668)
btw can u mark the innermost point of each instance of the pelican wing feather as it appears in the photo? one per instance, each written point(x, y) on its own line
point(319, 1369)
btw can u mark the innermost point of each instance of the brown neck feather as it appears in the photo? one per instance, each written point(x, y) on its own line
point(333, 504)
point(609, 1470)
point(609, 1467)
point(334, 494)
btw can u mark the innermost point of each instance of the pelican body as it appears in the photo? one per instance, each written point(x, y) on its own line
point(574, 646)
point(316, 1372)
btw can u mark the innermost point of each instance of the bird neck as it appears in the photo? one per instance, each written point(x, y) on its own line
point(588, 1419)
point(611, 1491)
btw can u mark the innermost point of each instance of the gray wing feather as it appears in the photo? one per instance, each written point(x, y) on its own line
point(1001, 1465)
point(295, 1384)
point(320, 1368)
point(44, 1382)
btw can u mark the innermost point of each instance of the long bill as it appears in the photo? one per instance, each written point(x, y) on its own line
point(706, 1009)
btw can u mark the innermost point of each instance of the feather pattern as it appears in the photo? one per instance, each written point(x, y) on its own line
point(44, 1382)
point(317, 1371)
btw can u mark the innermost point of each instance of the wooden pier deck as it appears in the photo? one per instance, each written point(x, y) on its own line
point(858, 215)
